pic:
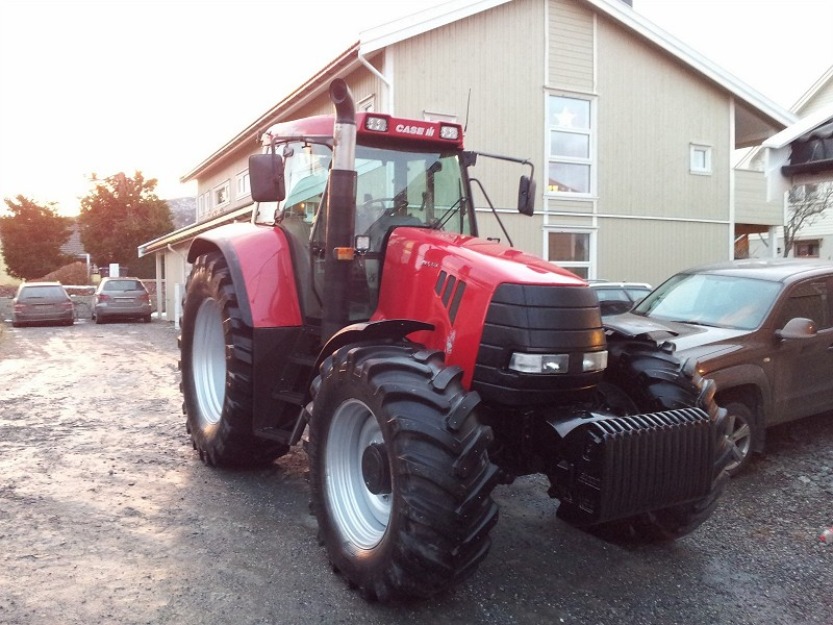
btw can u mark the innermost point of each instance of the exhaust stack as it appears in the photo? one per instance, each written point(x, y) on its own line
point(340, 212)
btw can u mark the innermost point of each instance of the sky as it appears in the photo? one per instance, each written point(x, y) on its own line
point(104, 86)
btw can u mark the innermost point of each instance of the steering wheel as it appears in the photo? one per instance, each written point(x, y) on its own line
point(368, 204)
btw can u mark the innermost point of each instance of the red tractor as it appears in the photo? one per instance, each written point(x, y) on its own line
point(422, 365)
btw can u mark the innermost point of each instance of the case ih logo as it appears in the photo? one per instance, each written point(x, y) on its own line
point(410, 129)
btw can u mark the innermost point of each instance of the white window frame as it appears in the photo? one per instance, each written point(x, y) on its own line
point(591, 161)
point(221, 195)
point(700, 159)
point(242, 184)
point(431, 116)
point(570, 265)
point(367, 105)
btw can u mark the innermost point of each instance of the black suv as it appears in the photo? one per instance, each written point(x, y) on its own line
point(762, 329)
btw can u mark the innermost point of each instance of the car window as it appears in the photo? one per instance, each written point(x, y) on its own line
point(123, 285)
point(810, 300)
point(607, 295)
point(637, 293)
point(713, 300)
point(46, 292)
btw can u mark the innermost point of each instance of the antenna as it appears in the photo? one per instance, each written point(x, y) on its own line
point(468, 106)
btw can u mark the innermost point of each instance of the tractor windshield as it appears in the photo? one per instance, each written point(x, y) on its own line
point(408, 189)
point(394, 188)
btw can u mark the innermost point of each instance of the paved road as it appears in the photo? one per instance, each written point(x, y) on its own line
point(108, 517)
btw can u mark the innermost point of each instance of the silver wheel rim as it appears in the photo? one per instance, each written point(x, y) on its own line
point(741, 438)
point(360, 516)
point(209, 362)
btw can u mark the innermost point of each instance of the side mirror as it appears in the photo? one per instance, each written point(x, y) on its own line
point(798, 328)
point(526, 196)
point(266, 177)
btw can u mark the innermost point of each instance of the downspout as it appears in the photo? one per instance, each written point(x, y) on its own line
point(363, 60)
point(177, 287)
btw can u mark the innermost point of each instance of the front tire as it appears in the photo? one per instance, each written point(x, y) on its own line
point(399, 471)
point(216, 365)
point(644, 378)
point(741, 435)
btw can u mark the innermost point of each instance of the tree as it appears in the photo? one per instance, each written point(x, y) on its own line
point(807, 204)
point(120, 214)
point(32, 237)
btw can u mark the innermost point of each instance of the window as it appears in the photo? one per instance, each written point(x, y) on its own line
point(571, 145)
point(203, 205)
point(809, 300)
point(806, 249)
point(700, 159)
point(439, 117)
point(570, 250)
point(367, 105)
point(221, 195)
point(243, 186)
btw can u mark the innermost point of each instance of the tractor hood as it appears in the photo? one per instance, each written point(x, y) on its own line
point(428, 248)
point(450, 280)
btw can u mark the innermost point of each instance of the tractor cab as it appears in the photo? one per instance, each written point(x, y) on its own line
point(407, 173)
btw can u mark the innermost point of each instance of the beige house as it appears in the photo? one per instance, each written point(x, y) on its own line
point(631, 132)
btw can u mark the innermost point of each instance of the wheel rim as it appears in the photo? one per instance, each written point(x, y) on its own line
point(209, 362)
point(740, 435)
point(360, 516)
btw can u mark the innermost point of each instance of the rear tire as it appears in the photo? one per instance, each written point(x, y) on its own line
point(655, 380)
point(216, 365)
point(399, 471)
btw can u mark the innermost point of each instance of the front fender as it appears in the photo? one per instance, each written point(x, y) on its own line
point(389, 329)
point(260, 263)
point(746, 375)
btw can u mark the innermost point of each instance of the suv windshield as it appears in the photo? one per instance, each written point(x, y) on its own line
point(711, 300)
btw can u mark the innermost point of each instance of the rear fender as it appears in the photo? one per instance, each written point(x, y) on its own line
point(260, 264)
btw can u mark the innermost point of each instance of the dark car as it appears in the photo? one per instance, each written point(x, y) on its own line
point(618, 297)
point(121, 298)
point(762, 329)
point(42, 303)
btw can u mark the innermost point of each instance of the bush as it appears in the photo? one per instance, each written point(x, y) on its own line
point(75, 273)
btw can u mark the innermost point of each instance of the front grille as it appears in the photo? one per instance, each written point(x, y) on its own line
point(542, 320)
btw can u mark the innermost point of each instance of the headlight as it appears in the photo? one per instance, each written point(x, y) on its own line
point(594, 361)
point(556, 364)
point(450, 132)
point(378, 124)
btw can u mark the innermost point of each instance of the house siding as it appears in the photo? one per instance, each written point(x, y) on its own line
point(652, 251)
point(495, 89)
point(571, 54)
point(751, 204)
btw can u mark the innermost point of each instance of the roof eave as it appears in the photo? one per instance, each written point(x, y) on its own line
point(623, 13)
point(346, 62)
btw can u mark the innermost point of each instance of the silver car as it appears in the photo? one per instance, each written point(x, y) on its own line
point(42, 303)
point(121, 298)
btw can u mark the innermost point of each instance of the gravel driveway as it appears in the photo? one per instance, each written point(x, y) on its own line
point(108, 517)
